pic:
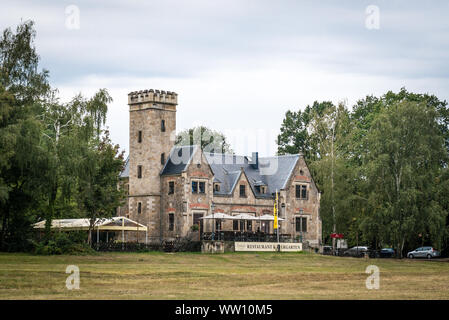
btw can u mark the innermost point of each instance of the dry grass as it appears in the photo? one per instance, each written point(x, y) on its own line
point(226, 276)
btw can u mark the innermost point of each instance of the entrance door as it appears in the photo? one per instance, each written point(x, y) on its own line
point(198, 221)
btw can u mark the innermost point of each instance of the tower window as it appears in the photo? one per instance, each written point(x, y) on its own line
point(163, 158)
point(171, 187)
point(139, 172)
point(139, 207)
point(163, 125)
point(139, 136)
point(171, 222)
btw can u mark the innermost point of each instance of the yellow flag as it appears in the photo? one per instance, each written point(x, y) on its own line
point(275, 225)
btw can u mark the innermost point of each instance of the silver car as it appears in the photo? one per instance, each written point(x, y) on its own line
point(356, 251)
point(423, 252)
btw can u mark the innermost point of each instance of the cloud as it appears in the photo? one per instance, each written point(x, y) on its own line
point(239, 65)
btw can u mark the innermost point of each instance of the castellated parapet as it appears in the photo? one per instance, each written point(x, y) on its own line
point(155, 96)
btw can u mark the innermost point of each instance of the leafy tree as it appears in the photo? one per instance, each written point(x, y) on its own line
point(295, 136)
point(342, 152)
point(406, 149)
point(329, 131)
point(208, 139)
point(98, 194)
point(22, 89)
point(46, 147)
point(366, 110)
point(68, 129)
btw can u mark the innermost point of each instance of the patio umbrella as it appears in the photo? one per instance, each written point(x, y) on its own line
point(244, 216)
point(218, 215)
point(267, 217)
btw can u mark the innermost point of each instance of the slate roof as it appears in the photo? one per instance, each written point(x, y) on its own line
point(273, 172)
point(178, 160)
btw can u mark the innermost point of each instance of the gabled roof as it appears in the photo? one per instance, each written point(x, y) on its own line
point(179, 159)
point(176, 163)
point(273, 172)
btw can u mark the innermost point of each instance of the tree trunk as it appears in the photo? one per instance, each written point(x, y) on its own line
point(334, 227)
point(51, 212)
point(402, 246)
point(89, 236)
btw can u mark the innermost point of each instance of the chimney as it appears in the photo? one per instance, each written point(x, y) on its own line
point(255, 160)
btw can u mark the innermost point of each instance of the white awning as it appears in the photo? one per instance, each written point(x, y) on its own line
point(218, 215)
point(106, 224)
point(245, 216)
point(267, 217)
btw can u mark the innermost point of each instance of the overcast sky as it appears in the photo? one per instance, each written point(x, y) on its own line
point(237, 66)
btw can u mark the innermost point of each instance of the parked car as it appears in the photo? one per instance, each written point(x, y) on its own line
point(356, 251)
point(327, 250)
point(387, 253)
point(423, 252)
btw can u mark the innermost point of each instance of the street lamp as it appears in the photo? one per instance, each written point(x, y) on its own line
point(212, 208)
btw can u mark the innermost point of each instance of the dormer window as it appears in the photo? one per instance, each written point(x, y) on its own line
point(261, 189)
point(216, 187)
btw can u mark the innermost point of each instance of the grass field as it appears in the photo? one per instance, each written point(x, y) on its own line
point(225, 276)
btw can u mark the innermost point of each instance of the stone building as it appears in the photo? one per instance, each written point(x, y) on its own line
point(171, 187)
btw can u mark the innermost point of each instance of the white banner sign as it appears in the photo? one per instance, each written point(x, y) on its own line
point(267, 246)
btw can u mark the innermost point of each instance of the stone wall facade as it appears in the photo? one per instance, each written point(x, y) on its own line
point(169, 207)
point(152, 116)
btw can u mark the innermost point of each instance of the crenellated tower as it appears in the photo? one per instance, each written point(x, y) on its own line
point(152, 127)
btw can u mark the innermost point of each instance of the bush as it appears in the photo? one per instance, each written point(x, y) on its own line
point(63, 243)
point(186, 245)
